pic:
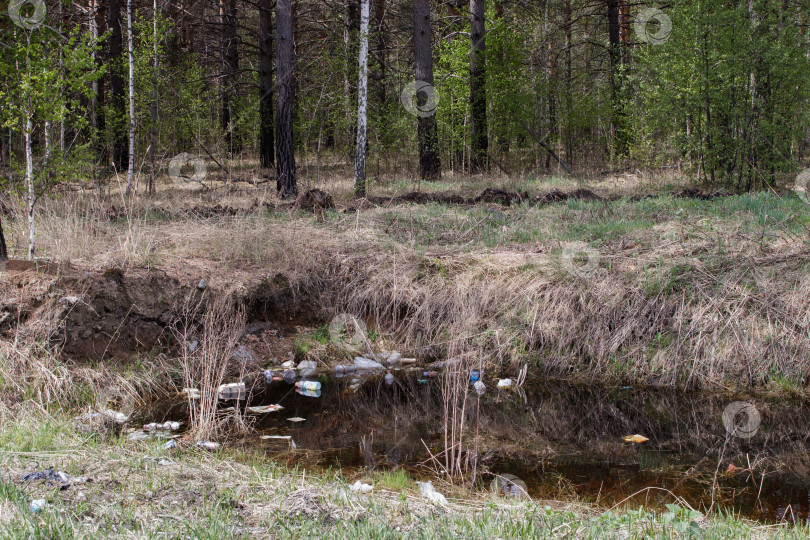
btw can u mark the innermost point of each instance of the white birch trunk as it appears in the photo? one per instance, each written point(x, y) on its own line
point(29, 184)
point(131, 168)
point(362, 105)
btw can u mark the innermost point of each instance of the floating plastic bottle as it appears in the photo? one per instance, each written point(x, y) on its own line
point(290, 376)
point(306, 368)
point(268, 376)
point(308, 392)
point(232, 391)
point(389, 378)
point(365, 363)
point(342, 370)
point(308, 385)
point(475, 375)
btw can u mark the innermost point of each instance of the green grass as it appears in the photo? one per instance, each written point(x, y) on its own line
point(237, 494)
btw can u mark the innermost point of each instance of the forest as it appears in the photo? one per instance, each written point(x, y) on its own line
point(718, 90)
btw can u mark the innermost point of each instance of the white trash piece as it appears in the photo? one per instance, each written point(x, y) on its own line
point(480, 388)
point(115, 416)
point(191, 393)
point(505, 383)
point(365, 363)
point(232, 391)
point(428, 492)
point(359, 487)
point(209, 445)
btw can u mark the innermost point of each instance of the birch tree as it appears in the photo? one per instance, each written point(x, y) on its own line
point(362, 105)
point(40, 90)
point(131, 63)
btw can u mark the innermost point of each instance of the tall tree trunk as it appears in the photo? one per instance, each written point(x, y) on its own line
point(154, 106)
point(430, 166)
point(362, 104)
point(350, 38)
point(614, 38)
point(285, 84)
point(3, 249)
point(479, 142)
point(29, 183)
point(228, 67)
point(569, 139)
point(266, 143)
point(116, 50)
point(98, 124)
point(380, 69)
point(131, 64)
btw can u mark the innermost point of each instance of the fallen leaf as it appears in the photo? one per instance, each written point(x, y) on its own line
point(638, 439)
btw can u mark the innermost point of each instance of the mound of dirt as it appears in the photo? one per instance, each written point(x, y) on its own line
point(315, 199)
point(93, 314)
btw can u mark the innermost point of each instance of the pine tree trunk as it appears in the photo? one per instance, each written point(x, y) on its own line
point(479, 141)
point(116, 50)
point(131, 64)
point(362, 104)
point(154, 106)
point(266, 142)
point(429, 161)
point(3, 249)
point(350, 38)
point(228, 67)
point(285, 84)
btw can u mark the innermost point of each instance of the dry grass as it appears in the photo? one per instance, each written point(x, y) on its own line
point(686, 294)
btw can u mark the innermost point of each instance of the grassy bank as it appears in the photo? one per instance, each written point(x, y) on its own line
point(141, 490)
point(666, 291)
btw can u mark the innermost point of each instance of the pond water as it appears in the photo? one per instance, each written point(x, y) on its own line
point(565, 441)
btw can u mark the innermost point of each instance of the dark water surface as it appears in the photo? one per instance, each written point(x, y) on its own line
point(564, 440)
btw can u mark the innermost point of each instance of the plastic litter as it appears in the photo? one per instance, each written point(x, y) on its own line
point(308, 392)
point(308, 385)
point(306, 368)
point(191, 393)
point(137, 436)
point(393, 359)
point(475, 375)
point(262, 409)
point(209, 445)
point(505, 383)
point(37, 505)
point(232, 391)
point(62, 478)
point(480, 388)
point(290, 376)
point(359, 487)
point(115, 416)
point(428, 492)
point(365, 363)
point(288, 364)
point(509, 485)
point(389, 378)
point(296, 419)
point(268, 376)
point(342, 370)
point(170, 444)
point(165, 463)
